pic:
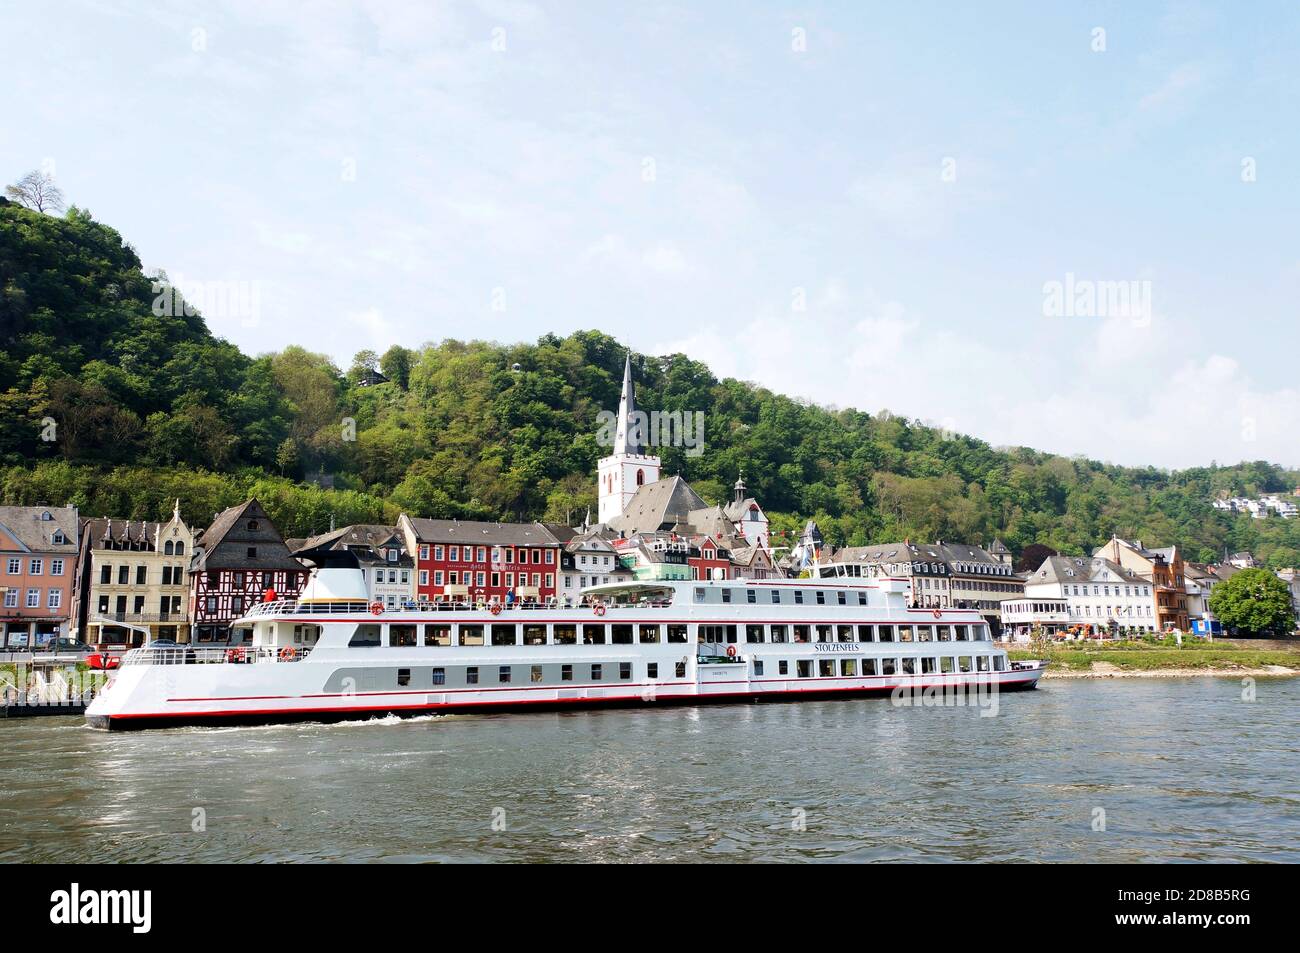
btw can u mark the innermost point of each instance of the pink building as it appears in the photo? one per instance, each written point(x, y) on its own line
point(38, 561)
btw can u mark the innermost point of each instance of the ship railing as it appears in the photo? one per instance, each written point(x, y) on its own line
point(232, 655)
point(286, 607)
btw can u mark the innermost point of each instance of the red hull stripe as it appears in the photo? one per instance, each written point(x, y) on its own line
point(698, 696)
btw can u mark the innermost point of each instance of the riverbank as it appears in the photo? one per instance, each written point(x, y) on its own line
point(1139, 661)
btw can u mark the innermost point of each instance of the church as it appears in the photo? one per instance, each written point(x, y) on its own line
point(637, 502)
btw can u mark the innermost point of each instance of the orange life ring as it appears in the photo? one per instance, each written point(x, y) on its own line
point(731, 651)
point(495, 608)
point(288, 654)
point(599, 608)
point(376, 608)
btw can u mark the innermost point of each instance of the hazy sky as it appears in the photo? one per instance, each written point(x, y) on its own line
point(861, 204)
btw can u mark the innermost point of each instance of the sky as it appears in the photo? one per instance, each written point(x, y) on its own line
point(1068, 226)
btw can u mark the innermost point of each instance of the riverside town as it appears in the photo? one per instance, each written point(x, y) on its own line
point(516, 432)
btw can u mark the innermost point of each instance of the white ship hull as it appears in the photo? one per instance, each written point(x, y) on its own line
point(330, 677)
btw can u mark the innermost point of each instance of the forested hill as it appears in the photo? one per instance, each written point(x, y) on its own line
point(148, 407)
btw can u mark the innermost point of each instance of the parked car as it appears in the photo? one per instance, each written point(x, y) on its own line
point(66, 644)
point(162, 644)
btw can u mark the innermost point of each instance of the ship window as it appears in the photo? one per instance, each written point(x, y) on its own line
point(798, 597)
point(999, 663)
point(924, 633)
point(963, 663)
point(803, 668)
point(962, 634)
point(437, 635)
point(909, 666)
point(534, 635)
point(945, 632)
point(778, 633)
point(648, 634)
point(726, 594)
point(536, 673)
point(848, 666)
point(866, 634)
point(699, 594)
point(868, 666)
point(366, 635)
point(679, 670)
point(503, 633)
point(403, 677)
point(945, 664)
point(758, 668)
point(625, 670)
point(471, 673)
point(503, 674)
point(751, 596)
point(401, 636)
point(471, 634)
point(842, 597)
point(844, 633)
point(823, 633)
point(652, 670)
point(677, 633)
point(928, 666)
point(821, 597)
point(862, 598)
point(826, 667)
point(776, 597)
point(593, 634)
point(566, 634)
point(801, 633)
point(439, 676)
point(566, 673)
point(731, 634)
point(595, 673)
point(620, 634)
point(982, 662)
point(783, 667)
point(888, 666)
point(905, 633)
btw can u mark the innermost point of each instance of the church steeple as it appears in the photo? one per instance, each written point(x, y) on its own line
point(627, 439)
point(628, 465)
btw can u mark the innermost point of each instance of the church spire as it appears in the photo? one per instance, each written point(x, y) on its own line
point(628, 437)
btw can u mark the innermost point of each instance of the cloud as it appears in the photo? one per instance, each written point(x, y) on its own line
point(661, 258)
point(1176, 90)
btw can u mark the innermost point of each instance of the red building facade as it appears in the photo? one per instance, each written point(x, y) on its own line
point(708, 560)
point(464, 560)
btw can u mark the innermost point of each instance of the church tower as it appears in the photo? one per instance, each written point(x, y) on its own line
point(629, 466)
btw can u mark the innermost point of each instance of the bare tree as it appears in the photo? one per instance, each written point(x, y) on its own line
point(37, 190)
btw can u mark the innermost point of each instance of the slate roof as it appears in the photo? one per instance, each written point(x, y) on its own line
point(225, 544)
point(1077, 569)
point(98, 532)
point(363, 539)
point(32, 533)
point(659, 505)
point(482, 533)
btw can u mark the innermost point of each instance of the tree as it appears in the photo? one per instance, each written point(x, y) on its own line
point(286, 457)
point(1033, 556)
point(396, 365)
point(37, 191)
point(1253, 602)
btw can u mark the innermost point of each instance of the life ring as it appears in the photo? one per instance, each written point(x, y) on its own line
point(731, 651)
point(937, 613)
point(495, 608)
point(376, 608)
point(599, 608)
point(288, 654)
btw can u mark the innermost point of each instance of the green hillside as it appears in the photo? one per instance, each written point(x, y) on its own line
point(153, 407)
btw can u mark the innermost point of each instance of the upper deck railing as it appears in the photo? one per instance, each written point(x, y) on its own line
point(289, 607)
point(191, 655)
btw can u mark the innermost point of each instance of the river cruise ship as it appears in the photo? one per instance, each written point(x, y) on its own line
point(331, 655)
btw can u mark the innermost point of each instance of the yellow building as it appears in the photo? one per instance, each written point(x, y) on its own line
point(133, 581)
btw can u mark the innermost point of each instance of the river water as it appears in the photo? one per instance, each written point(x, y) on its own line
point(1120, 771)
